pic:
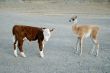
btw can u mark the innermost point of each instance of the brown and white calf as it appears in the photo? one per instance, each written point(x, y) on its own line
point(83, 31)
point(20, 32)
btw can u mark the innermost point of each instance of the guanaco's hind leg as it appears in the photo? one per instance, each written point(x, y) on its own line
point(94, 39)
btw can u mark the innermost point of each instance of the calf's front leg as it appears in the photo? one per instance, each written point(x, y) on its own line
point(41, 46)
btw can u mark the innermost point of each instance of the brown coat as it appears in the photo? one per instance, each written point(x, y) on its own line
point(31, 33)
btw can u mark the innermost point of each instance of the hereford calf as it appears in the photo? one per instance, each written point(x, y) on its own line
point(32, 34)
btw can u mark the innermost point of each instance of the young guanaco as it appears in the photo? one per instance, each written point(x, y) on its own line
point(84, 31)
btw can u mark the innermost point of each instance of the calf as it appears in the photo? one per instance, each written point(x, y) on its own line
point(32, 34)
point(84, 31)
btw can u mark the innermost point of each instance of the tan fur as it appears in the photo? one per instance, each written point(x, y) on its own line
point(84, 31)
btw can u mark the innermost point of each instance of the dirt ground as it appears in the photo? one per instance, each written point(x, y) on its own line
point(60, 56)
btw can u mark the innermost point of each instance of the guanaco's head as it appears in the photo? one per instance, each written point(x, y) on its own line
point(73, 19)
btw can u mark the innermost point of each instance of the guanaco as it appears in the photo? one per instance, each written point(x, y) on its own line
point(84, 31)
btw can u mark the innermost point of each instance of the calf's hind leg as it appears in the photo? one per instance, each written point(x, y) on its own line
point(14, 45)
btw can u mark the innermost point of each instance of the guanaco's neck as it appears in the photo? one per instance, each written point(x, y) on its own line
point(75, 27)
point(75, 22)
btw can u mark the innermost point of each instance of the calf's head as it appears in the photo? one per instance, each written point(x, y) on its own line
point(47, 33)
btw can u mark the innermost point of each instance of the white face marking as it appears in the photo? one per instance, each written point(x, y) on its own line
point(15, 53)
point(41, 54)
point(47, 34)
point(75, 21)
point(22, 54)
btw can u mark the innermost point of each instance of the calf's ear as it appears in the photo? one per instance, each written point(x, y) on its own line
point(52, 29)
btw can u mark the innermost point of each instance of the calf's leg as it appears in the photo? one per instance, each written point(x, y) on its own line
point(41, 46)
point(14, 45)
point(20, 44)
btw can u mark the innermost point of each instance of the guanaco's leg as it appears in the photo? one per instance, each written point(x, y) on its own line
point(81, 43)
point(94, 39)
point(77, 43)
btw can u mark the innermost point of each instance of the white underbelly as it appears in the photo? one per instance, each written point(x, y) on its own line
point(87, 34)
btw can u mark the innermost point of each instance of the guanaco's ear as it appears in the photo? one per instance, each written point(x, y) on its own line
point(75, 17)
point(70, 20)
point(52, 29)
